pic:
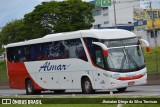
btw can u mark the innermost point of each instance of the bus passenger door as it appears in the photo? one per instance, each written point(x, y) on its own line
point(100, 65)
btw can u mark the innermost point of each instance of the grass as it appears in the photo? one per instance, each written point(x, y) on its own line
point(3, 72)
point(96, 98)
point(85, 105)
point(150, 59)
point(141, 105)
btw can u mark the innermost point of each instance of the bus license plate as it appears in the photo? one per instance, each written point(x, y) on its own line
point(131, 83)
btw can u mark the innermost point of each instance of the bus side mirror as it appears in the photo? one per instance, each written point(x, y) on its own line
point(103, 46)
point(146, 44)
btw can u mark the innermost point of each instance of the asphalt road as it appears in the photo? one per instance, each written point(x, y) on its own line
point(152, 90)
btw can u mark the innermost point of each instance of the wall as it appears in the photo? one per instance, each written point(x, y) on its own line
point(102, 17)
point(124, 13)
point(143, 25)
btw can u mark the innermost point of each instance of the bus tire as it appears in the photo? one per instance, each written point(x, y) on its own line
point(59, 91)
point(121, 89)
point(30, 88)
point(87, 86)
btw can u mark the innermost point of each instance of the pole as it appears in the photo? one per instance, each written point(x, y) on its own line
point(115, 19)
point(153, 28)
point(154, 33)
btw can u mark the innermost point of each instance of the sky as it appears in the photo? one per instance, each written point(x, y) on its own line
point(155, 4)
point(16, 9)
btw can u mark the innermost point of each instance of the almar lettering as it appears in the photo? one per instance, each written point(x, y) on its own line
point(48, 67)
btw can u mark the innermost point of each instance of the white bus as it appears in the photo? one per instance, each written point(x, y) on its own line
point(88, 59)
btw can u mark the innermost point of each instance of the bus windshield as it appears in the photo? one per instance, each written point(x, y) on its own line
point(124, 55)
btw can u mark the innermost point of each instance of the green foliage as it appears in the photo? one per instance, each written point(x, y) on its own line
point(55, 17)
point(150, 59)
point(2, 50)
point(49, 17)
point(12, 32)
point(3, 72)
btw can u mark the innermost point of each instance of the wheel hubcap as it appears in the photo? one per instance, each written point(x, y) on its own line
point(29, 87)
point(87, 86)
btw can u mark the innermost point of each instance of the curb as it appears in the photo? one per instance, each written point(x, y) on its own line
point(153, 79)
point(4, 85)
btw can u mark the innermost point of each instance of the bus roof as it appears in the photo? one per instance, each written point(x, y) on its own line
point(94, 33)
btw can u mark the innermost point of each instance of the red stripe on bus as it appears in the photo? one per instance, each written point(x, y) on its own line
point(130, 78)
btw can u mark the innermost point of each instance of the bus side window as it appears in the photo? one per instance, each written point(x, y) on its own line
point(57, 50)
point(10, 54)
point(90, 47)
point(76, 49)
point(66, 49)
point(47, 51)
point(95, 52)
point(32, 53)
point(99, 57)
point(27, 53)
point(21, 55)
point(80, 51)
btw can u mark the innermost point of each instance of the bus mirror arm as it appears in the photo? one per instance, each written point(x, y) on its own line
point(146, 44)
point(103, 46)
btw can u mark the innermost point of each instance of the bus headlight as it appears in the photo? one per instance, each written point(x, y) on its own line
point(112, 83)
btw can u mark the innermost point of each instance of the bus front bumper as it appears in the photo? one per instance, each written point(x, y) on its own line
point(114, 84)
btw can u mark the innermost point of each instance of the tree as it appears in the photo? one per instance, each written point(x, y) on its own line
point(12, 32)
point(55, 17)
point(49, 17)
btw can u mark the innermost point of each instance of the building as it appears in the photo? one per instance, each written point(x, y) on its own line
point(104, 16)
point(143, 25)
point(130, 15)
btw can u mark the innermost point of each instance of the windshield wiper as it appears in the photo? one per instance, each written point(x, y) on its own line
point(131, 59)
point(122, 65)
point(124, 59)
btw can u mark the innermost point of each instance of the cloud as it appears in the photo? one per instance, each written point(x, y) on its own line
point(16, 9)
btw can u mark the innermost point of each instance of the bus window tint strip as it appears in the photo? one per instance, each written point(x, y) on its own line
point(47, 51)
point(118, 43)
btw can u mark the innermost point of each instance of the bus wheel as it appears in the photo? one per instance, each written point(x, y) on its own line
point(30, 88)
point(121, 89)
point(59, 91)
point(86, 86)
